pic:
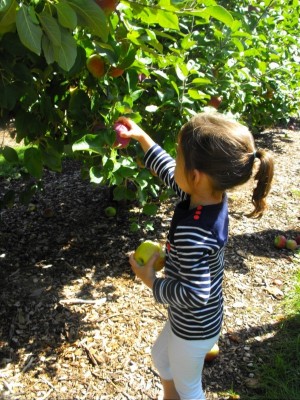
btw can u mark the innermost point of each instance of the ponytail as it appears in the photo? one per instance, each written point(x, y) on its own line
point(264, 178)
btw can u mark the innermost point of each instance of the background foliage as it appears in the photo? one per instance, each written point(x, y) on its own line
point(158, 62)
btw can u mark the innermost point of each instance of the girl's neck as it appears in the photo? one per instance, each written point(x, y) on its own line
point(205, 199)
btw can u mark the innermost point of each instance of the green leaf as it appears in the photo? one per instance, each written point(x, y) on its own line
point(181, 71)
point(167, 20)
point(30, 34)
point(67, 17)
point(51, 158)
point(9, 95)
point(196, 94)
point(5, 4)
point(79, 103)
point(201, 81)
point(48, 50)
point(134, 227)
point(150, 209)
point(90, 142)
point(8, 18)
point(251, 53)
point(10, 154)
point(187, 42)
point(91, 16)
point(126, 172)
point(221, 14)
point(238, 44)
point(33, 162)
point(96, 175)
point(65, 55)
point(51, 28)
point(120, 193)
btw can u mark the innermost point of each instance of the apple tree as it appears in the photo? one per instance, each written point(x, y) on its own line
point(69, 68)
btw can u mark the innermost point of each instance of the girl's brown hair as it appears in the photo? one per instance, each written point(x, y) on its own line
point(225, 150)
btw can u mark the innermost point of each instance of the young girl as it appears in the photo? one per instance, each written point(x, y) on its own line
point(214, 154)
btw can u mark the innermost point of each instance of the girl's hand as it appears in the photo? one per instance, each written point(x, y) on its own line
point(135, 132)
point(146, 273)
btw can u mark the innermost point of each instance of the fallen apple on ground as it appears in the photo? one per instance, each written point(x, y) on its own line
point(146, 250)
point(291, 244)
point(280, 241)
point(121, 141)
point(110, 211)
point(213, 353)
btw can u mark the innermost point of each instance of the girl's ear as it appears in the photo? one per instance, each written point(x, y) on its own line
point(197, 176)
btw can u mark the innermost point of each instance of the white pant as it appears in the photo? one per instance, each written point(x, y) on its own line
point(182, 361)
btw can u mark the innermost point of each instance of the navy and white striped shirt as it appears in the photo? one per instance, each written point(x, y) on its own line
point(192, 286)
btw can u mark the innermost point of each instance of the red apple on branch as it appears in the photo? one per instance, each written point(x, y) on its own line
point(115, 72)
point(120, 141)
point(215, 101)
point(108, 6)
point(95, 65)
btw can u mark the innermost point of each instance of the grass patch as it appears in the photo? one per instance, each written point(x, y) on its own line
point(12, 170)
point(280, 374)
point(296, 193)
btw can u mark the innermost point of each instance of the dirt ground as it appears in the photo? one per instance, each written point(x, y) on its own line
point(76, 324)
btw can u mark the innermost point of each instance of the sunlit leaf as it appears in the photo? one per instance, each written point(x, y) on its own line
point(151, 108)
point(221, 14)
point(90, 142)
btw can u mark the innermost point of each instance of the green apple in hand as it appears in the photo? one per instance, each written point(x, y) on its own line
point(146, 250)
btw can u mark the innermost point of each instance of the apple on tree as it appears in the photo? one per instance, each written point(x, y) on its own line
point(146, 250)
point(215, 101)
point(96, 65)
point(115, 72)
point(108, 6)
point(120, 141)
